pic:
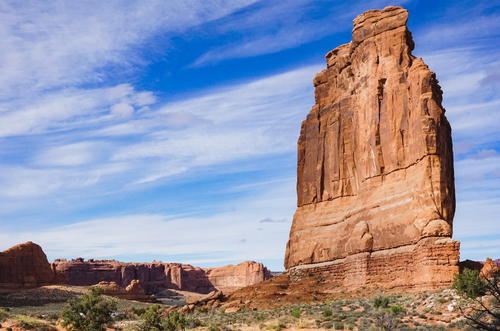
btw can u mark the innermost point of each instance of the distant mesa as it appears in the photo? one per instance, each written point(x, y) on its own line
point(157, 276)
point(375, 182)
point(26, 265)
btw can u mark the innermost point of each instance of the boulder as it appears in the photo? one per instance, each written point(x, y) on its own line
point(375, 181)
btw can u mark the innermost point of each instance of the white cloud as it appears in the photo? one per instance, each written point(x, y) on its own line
point(51, 44)
point(189, 137)
point(266, 30)
point(234, 233)
point(69, 155)
point(67, 109)
point(249, 120)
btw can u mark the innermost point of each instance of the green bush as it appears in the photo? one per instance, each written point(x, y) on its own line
point(155, 321)
point(295, 312)
point(395, 309)
point(381, 302)
point(91, 312)
point(469, 284)
point(327, 312)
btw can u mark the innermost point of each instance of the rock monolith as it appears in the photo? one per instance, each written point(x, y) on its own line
point(375, 185)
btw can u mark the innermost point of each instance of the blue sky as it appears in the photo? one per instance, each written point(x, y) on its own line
point(166, 130)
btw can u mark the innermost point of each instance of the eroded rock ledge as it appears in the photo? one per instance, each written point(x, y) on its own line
point(375, 184)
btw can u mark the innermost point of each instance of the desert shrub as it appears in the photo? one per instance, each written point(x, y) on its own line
point(295, 312)
point(395, 309)
point(276, 326)
point(381, 302)
point(91, 312)
point(339, 326)
point(469, 284)
point(31, 323)
point(138, 311)
point(53, 317)
point(154, 320)
point(3, 315)
point(485, 315)
point(386, 321)
point(327, 312)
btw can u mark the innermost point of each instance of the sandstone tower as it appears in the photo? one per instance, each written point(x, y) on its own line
point(375, 179)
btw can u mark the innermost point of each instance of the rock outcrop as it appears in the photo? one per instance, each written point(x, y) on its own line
point(134, 291)
point(24, 265)
point(158, 276)
point(229, 278)
point(375, 179)
point(489, 269)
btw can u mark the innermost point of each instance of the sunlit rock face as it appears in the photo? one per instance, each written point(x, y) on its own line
point(24, 265)
point(157, 276)
point(375, 184)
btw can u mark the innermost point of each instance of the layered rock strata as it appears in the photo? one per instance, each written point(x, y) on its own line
point(375, 179)
point(24, 265)
point(157, 276)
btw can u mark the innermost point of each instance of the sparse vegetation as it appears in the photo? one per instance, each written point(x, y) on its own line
point(423, 311)
point(92, 312)
point(31, 323)
point(485, 313)
point(156, 320)
point(381, 302)
point(3, 315)
point(468, 283)
point(295, 312)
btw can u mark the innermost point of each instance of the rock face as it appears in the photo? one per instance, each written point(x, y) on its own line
point(155, 277)
point(24, 265)
point(375, 166)
point(133, 291)
point(232, 277)
point(489, 269)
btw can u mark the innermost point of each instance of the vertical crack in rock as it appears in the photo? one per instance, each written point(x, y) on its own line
point(380, 98)
point(375, 180)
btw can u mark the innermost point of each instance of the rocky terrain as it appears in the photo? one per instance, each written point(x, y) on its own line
point(375, 180)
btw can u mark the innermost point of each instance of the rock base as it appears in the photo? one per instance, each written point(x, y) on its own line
point(429, 264)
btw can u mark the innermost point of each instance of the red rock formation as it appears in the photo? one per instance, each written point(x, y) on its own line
point(375, 166)
point(157, 276)
point(232, 277)
point(24, 265)
point(489, 269)
point(133, 291)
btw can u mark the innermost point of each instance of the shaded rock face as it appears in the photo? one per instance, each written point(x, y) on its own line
point(155, 277)
point(24, 265)
point(375, 175)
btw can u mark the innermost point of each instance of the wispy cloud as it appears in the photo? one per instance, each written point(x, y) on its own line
point(264, 29)
point(51, 44)
point(71, 109)
point(232, 235)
